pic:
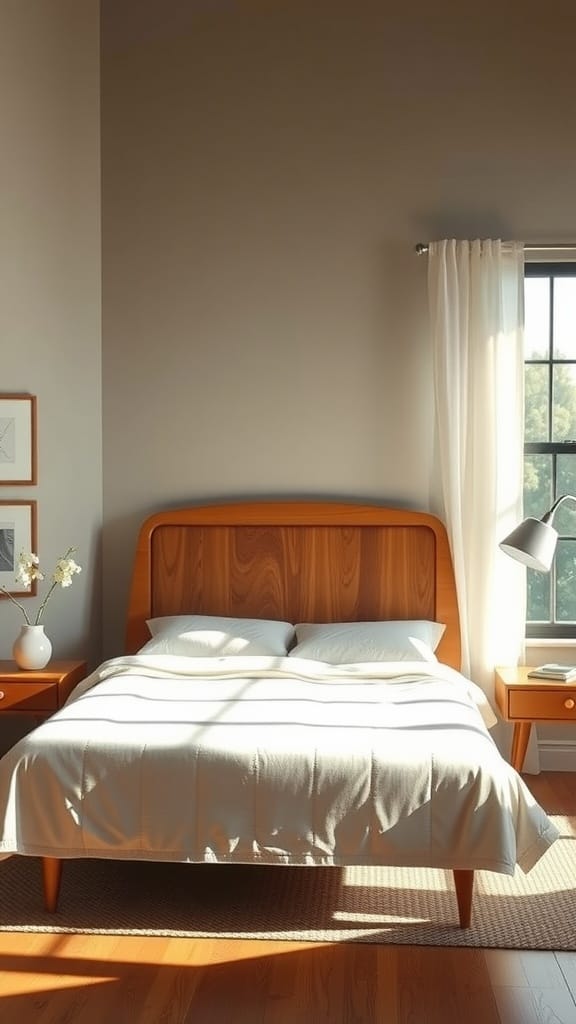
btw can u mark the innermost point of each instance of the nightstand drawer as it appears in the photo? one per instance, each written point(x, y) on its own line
point(542, 704)
point(42, 696)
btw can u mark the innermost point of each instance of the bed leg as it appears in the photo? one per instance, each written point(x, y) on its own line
point(51, 877)
point(464, 882)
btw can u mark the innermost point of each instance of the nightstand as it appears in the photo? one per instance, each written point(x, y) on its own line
point(525, 701)
point(41, 692)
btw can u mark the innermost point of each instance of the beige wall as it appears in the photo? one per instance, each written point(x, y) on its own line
point(267, 170)
point(257, 340)
point(50, 291)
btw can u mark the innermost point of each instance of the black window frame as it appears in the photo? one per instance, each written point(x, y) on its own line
point(553, 629)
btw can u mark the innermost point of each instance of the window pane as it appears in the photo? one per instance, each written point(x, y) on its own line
point(563, 403)
point(538, 596)
point(536, 403)
point(537, 485)
point(566, 581)
point(565, 518)
point(550, 425)
point(536, 317)
point(565, 318)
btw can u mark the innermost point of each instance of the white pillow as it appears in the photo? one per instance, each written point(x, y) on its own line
point(343, 643)
point(214, 636)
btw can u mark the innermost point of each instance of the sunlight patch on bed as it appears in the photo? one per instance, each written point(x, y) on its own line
point(72, 811)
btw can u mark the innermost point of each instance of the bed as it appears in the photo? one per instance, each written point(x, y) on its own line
point(328, 725)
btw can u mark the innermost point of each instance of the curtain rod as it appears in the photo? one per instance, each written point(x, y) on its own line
point(422, 247)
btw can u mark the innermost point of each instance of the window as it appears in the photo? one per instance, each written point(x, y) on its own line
point(550, 437)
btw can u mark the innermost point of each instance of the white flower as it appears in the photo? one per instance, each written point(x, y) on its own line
point(29, 570)
point(64, 571)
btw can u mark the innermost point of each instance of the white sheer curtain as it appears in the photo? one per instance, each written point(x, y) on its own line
point(476, 293)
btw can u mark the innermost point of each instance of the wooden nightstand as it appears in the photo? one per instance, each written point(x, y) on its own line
point(525, 701)
point(38, 693)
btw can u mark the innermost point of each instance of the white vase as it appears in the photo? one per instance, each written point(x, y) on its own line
point(32, 648)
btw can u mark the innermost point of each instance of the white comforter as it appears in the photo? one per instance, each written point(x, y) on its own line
point(281, 760)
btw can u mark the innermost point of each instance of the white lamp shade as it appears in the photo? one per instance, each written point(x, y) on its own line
point(533, 543)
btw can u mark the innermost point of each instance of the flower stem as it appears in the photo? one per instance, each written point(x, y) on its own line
point(43, 605)
point(69, 552)
point(18, 605)
point(55, 582)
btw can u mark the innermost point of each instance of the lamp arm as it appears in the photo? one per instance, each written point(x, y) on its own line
point(549, 515)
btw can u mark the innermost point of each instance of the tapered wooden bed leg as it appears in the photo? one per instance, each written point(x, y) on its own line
point(464, 882)
point(51, 877)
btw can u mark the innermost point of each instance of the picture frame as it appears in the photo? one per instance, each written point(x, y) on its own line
point(17, 533)
point(18, 462)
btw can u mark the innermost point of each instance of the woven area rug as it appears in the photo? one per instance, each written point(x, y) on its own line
point(382, 905)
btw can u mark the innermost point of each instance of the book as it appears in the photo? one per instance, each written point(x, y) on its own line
point(552, 670)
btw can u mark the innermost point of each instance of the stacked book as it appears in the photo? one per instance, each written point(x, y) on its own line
point(562, 673)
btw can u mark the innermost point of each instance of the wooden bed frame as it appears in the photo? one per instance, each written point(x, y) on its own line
point(297, 561)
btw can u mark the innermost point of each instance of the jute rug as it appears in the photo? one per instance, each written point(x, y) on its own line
point(381, 905)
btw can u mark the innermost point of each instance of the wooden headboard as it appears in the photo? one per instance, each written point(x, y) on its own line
point(298, 561)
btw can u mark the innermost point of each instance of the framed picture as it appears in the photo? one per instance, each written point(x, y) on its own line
point(17, 439)
point(17, 533)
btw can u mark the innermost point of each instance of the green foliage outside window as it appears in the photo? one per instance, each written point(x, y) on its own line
point(550, 428)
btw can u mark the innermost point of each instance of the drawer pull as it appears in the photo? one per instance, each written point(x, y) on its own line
point(569, 704)
point(2, 694)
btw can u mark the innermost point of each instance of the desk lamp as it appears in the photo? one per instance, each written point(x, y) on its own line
point(533, 542)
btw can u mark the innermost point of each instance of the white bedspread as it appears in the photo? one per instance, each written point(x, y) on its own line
point(274, 760)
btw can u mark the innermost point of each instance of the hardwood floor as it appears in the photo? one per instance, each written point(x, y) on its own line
point(56, 979)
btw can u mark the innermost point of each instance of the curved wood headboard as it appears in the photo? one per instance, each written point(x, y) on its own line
point(297, 561)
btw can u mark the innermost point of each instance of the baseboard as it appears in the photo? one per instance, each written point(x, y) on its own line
point(557, 755)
